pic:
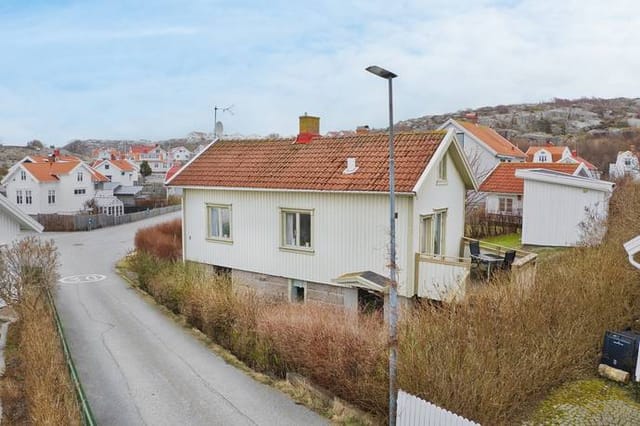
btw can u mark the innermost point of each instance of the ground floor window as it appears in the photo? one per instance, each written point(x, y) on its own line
point(28, 198)
point(433, 233)
point(505, 205)
point(18, 197)
point(297, 228)
point(297, 291)
point(219, 218)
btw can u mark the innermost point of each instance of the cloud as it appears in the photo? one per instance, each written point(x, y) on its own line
point(157, 69)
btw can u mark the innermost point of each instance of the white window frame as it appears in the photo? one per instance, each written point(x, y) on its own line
point(298, 284)
point(428, 230)
point(283, 229)
point(506, 200)
point(442, 169)
point(542, 157)
point(220, 238)
point(79, 176)
point(51, 196)
point(19, 198)
point(28, 198)
point(79, 191)
point(23, 175)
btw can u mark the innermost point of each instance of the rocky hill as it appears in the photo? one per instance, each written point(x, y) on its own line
point(555, 120)
point(84, 147)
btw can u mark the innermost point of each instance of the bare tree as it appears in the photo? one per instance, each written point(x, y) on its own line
point(28, 267)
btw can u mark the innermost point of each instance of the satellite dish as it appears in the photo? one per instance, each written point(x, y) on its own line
point(219, 129)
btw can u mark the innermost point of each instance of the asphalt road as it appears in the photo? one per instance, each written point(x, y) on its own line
point(137, 366)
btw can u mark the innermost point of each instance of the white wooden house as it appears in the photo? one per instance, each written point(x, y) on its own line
point(12, 220)
point(561, 209)
point(626, 165)
point(122, 172)
point(154, 155)
point(179, 154)
point(307, 218)
point(484, 147)
point(504, 190)
point(52, 184)
point(550, 153)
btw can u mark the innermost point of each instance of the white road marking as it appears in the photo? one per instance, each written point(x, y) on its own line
point(82, 279)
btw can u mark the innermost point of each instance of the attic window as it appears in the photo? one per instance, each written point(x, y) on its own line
point(442, 169)
point(351, 166)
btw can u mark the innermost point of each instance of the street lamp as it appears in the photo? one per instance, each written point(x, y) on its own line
point(393, 290)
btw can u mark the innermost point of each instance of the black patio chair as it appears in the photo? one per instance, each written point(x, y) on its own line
point(509, 257)
point(474, 249)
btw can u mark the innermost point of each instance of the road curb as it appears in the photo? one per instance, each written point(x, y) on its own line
point(85, 408)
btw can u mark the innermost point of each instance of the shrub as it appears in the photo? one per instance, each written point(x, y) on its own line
point(163, 241)
point(490, 358)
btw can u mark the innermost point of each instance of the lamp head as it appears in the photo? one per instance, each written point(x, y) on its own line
point(381, 72)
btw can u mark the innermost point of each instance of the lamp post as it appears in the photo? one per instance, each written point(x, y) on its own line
point(393, 290)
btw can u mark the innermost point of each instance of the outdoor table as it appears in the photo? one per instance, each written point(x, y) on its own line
point(489, 259)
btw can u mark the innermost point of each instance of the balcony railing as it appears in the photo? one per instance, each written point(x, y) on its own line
point(447, 278)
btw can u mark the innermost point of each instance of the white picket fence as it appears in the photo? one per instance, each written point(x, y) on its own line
point(413, 411)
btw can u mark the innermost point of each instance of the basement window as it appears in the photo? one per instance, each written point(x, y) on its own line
point(219, 222)
point(297, 291)
point(297, 229)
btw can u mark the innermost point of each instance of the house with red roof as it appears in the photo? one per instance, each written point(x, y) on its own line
point(484, 147)
point(550, 153)
point(154, 155)
point(122, 172)
point(54, 184)
point(505, 191)
point(307, 218)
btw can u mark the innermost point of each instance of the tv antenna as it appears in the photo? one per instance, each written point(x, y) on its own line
point(218, 125)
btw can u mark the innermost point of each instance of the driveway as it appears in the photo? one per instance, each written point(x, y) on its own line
point(137, 366)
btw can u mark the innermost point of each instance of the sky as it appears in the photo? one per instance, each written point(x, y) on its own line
point(156, 69)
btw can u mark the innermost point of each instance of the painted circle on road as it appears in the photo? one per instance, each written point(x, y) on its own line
point(82, 279)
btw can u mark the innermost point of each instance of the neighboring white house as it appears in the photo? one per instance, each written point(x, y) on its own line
point(156, 157)
point(307, 218)
point(484, 147)
point(12, 220)
point(179, 154)
point(563, 210)
point(505, 191)
point(626, 165)
point(122, 172)
point(52, 185)
point(549, 153)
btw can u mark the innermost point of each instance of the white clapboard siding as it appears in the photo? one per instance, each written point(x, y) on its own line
point(9, 227)
point(413, 411)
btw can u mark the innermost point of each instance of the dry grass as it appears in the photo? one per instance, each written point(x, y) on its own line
point(163, 241)
point(48, 390)
point(491, 358)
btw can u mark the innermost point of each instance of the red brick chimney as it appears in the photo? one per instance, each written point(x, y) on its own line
point(309, 128)
point(472, 117)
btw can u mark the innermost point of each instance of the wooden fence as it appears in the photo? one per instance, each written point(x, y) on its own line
point(86, 222)
point(481, 224)
point(413, 411)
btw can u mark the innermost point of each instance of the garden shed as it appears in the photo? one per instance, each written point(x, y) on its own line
point(563, 210)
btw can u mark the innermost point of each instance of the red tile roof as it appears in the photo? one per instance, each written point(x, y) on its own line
point(317, 165)
point(493, 139)
point(49, 172)
point(503, 178)
point(172, 171)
